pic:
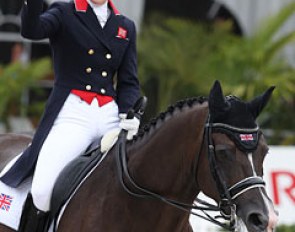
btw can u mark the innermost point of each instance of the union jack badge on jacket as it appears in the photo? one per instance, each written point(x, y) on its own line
point(122, 33)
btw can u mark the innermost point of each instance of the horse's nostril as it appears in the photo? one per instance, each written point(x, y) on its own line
point(258, 221)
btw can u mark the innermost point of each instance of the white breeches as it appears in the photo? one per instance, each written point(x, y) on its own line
point(77, 125)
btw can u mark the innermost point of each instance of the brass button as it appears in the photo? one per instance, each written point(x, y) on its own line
point(88, 87)
point(90, 51)
point(108, 56)
point(103, 91)
point(104, 73)
point(88, 70)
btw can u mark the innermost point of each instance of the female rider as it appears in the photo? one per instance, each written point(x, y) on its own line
point(91, 43)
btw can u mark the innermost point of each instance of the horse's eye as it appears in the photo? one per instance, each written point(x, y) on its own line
point(221, 147)
point(226, 151)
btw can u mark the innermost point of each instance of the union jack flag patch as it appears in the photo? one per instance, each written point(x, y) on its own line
point(246, 137)
point(122, 33)
point(5, 202)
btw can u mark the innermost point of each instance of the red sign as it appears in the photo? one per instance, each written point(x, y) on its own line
point(283, 183)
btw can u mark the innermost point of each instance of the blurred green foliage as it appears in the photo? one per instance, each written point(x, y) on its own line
point(180, 58)
point(14, 79)
point(285, 228)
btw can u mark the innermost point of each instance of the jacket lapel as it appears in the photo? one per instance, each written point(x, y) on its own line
point(90, 21)
point(111, 27)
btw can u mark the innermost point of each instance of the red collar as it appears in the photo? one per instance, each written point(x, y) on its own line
point(82, 5)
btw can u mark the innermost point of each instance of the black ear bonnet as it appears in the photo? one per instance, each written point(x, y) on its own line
point(238, 124)
point(236, 118)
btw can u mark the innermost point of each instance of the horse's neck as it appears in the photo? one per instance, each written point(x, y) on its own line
point(164, 160)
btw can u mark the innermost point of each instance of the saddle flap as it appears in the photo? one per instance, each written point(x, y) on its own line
point(70, 178)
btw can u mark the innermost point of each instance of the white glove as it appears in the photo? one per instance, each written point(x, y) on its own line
point(130, 125)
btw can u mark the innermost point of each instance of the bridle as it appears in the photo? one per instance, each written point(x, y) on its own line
point(248, 143)
point(227, 194)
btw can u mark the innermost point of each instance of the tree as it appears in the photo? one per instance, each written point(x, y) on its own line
point(180, 58)
point(14, 79)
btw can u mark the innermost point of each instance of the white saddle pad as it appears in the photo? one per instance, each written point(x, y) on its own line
point(12, 199)
point(11, 203)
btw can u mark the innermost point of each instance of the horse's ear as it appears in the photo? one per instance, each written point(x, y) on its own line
point(258, 103)
point(217, 103)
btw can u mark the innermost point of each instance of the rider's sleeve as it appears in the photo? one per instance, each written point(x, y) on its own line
point(37, 24)
point(128, 89)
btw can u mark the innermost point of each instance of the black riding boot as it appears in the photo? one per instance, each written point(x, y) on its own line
point(32, 219)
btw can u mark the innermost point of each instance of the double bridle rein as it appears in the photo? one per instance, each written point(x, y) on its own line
point(227, 194)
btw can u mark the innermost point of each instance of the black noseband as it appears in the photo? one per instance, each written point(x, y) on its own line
point(245, 185)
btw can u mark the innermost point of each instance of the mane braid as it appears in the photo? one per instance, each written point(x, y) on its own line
point(170, 110)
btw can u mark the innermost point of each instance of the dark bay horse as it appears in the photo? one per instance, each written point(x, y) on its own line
point(197, 145)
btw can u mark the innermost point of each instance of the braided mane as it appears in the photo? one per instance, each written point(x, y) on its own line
point(170, 110)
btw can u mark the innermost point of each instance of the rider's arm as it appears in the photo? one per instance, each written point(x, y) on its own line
point(128, 90)
point(37, 24)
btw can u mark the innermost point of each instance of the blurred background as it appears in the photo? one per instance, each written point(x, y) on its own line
point(183, 46)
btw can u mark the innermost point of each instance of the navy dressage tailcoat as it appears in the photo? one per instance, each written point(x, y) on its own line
point(85, 57)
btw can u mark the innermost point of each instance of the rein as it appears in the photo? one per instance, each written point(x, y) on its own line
point(226, 194)
point(144, 193)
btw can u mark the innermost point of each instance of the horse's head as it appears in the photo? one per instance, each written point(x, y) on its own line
point(237, 149)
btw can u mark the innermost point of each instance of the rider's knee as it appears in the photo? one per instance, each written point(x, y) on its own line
point(41, 196)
